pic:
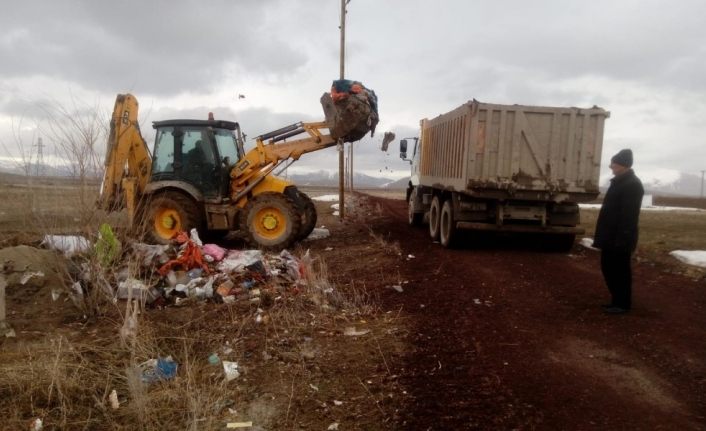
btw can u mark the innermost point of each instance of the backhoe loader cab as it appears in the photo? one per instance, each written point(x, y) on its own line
point(198, 153)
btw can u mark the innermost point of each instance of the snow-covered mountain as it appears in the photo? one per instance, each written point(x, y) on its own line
point(661, 181)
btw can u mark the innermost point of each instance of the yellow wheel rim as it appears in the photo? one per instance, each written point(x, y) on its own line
point(167, 223)
point(270, 223)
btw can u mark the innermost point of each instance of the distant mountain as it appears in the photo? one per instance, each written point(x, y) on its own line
point(325, 178)
point(665, 182)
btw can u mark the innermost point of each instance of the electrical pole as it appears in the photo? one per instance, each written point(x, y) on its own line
point(39, 162)
point(341, 173)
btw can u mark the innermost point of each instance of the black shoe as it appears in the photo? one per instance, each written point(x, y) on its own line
point(615, 310)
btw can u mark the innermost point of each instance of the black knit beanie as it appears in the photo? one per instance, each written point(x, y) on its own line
point(623, 158)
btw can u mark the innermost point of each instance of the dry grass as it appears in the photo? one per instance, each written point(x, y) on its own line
point(662, 232)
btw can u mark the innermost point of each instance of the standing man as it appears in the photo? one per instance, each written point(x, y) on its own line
point(616, 231)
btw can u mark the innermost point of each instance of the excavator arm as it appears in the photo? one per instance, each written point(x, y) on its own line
point(127, 159)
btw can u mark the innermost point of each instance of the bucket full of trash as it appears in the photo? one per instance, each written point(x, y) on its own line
point(351, 110)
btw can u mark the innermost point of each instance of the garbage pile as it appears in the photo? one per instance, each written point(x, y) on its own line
point(351, 110)
point(188, 270)
point(197, 271)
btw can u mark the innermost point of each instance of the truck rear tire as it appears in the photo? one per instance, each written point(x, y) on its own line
point(434, 216)
point(270, 221)
point(167, 214)
point(447, 225)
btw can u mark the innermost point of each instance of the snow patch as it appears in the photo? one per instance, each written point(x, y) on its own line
point(326, 198)
point(691, 257)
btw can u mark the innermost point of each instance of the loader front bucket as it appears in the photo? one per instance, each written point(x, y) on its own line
point(351, 117)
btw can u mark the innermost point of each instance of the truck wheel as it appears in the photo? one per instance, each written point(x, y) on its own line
point(447, 225)
point(415, 218)
point(434, 215)
point(270, 221)
point(564, 242)
point(309, 216)
point(167, 214)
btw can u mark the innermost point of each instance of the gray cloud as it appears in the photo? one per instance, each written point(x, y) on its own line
point(159, 47)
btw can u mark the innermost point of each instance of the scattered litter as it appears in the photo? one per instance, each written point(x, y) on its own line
point(215, 251)
point(213, 359)
point(333, 427)
point(36, 425)
point(67, 244)
point(29, 275)
point(231, 370)
point(113, 398)
point(155, 370)
point(337, 403)
point(318, 233)
point(239, 424)
point(151, 255)
point(328, 249)
point(691, 257)
point(477, 301)
point(352, 332)
point(410, 256)
point(397, 288)
point(136, 289)
point(588, 243)
point(316, 388)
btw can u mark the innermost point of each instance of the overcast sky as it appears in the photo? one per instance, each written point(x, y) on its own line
point(644, 61)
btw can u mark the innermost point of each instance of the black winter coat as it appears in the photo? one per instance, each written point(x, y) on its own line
point(616, 228)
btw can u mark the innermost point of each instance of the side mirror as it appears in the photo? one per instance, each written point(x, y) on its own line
point(403, 149)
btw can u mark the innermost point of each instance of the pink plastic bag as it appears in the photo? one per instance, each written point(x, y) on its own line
point(216, 252)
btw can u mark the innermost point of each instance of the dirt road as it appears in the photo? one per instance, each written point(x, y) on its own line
point(510, 336)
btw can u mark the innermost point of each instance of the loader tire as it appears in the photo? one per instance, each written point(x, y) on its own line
point(270, 221)
point(447, 225)
point(434, 218)
point(167, 214)
point(309, 216)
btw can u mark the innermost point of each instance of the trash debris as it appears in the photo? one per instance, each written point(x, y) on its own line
point(213, 359)
point(36, 425)
point(333, 427)
point(239, 424)
point(155, 370)
point(318, 233)
point(189, 256)
point(352, 332)
point(113, 398)
point(29, 275)
point(108, 248)
point(136, 289)
point(151, 255)
point(397, 288)
point(588, 243)
point(231, 370)
point(410, 256)
point(337, 403)
point(67, 244)
point(215, 251)
point(315, 388)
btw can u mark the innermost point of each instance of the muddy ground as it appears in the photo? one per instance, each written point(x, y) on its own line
point(497, 334)
point(504, 335)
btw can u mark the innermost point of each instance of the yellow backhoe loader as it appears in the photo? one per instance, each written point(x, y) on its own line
point(200, 176)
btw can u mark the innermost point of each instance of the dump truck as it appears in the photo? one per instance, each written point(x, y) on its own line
point(512, 168)
point(199, 174)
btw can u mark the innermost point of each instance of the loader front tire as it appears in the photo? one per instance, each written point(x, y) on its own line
point(167, 214)
point(270, 221)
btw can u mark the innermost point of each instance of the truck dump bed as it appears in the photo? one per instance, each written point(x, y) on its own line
point(525, 152)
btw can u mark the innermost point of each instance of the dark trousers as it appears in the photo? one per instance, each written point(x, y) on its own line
point(617, 272)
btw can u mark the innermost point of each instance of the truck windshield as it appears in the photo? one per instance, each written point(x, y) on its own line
point(225, 141)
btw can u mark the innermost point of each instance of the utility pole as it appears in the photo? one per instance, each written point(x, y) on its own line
point(341, 173)
point(39, 162)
